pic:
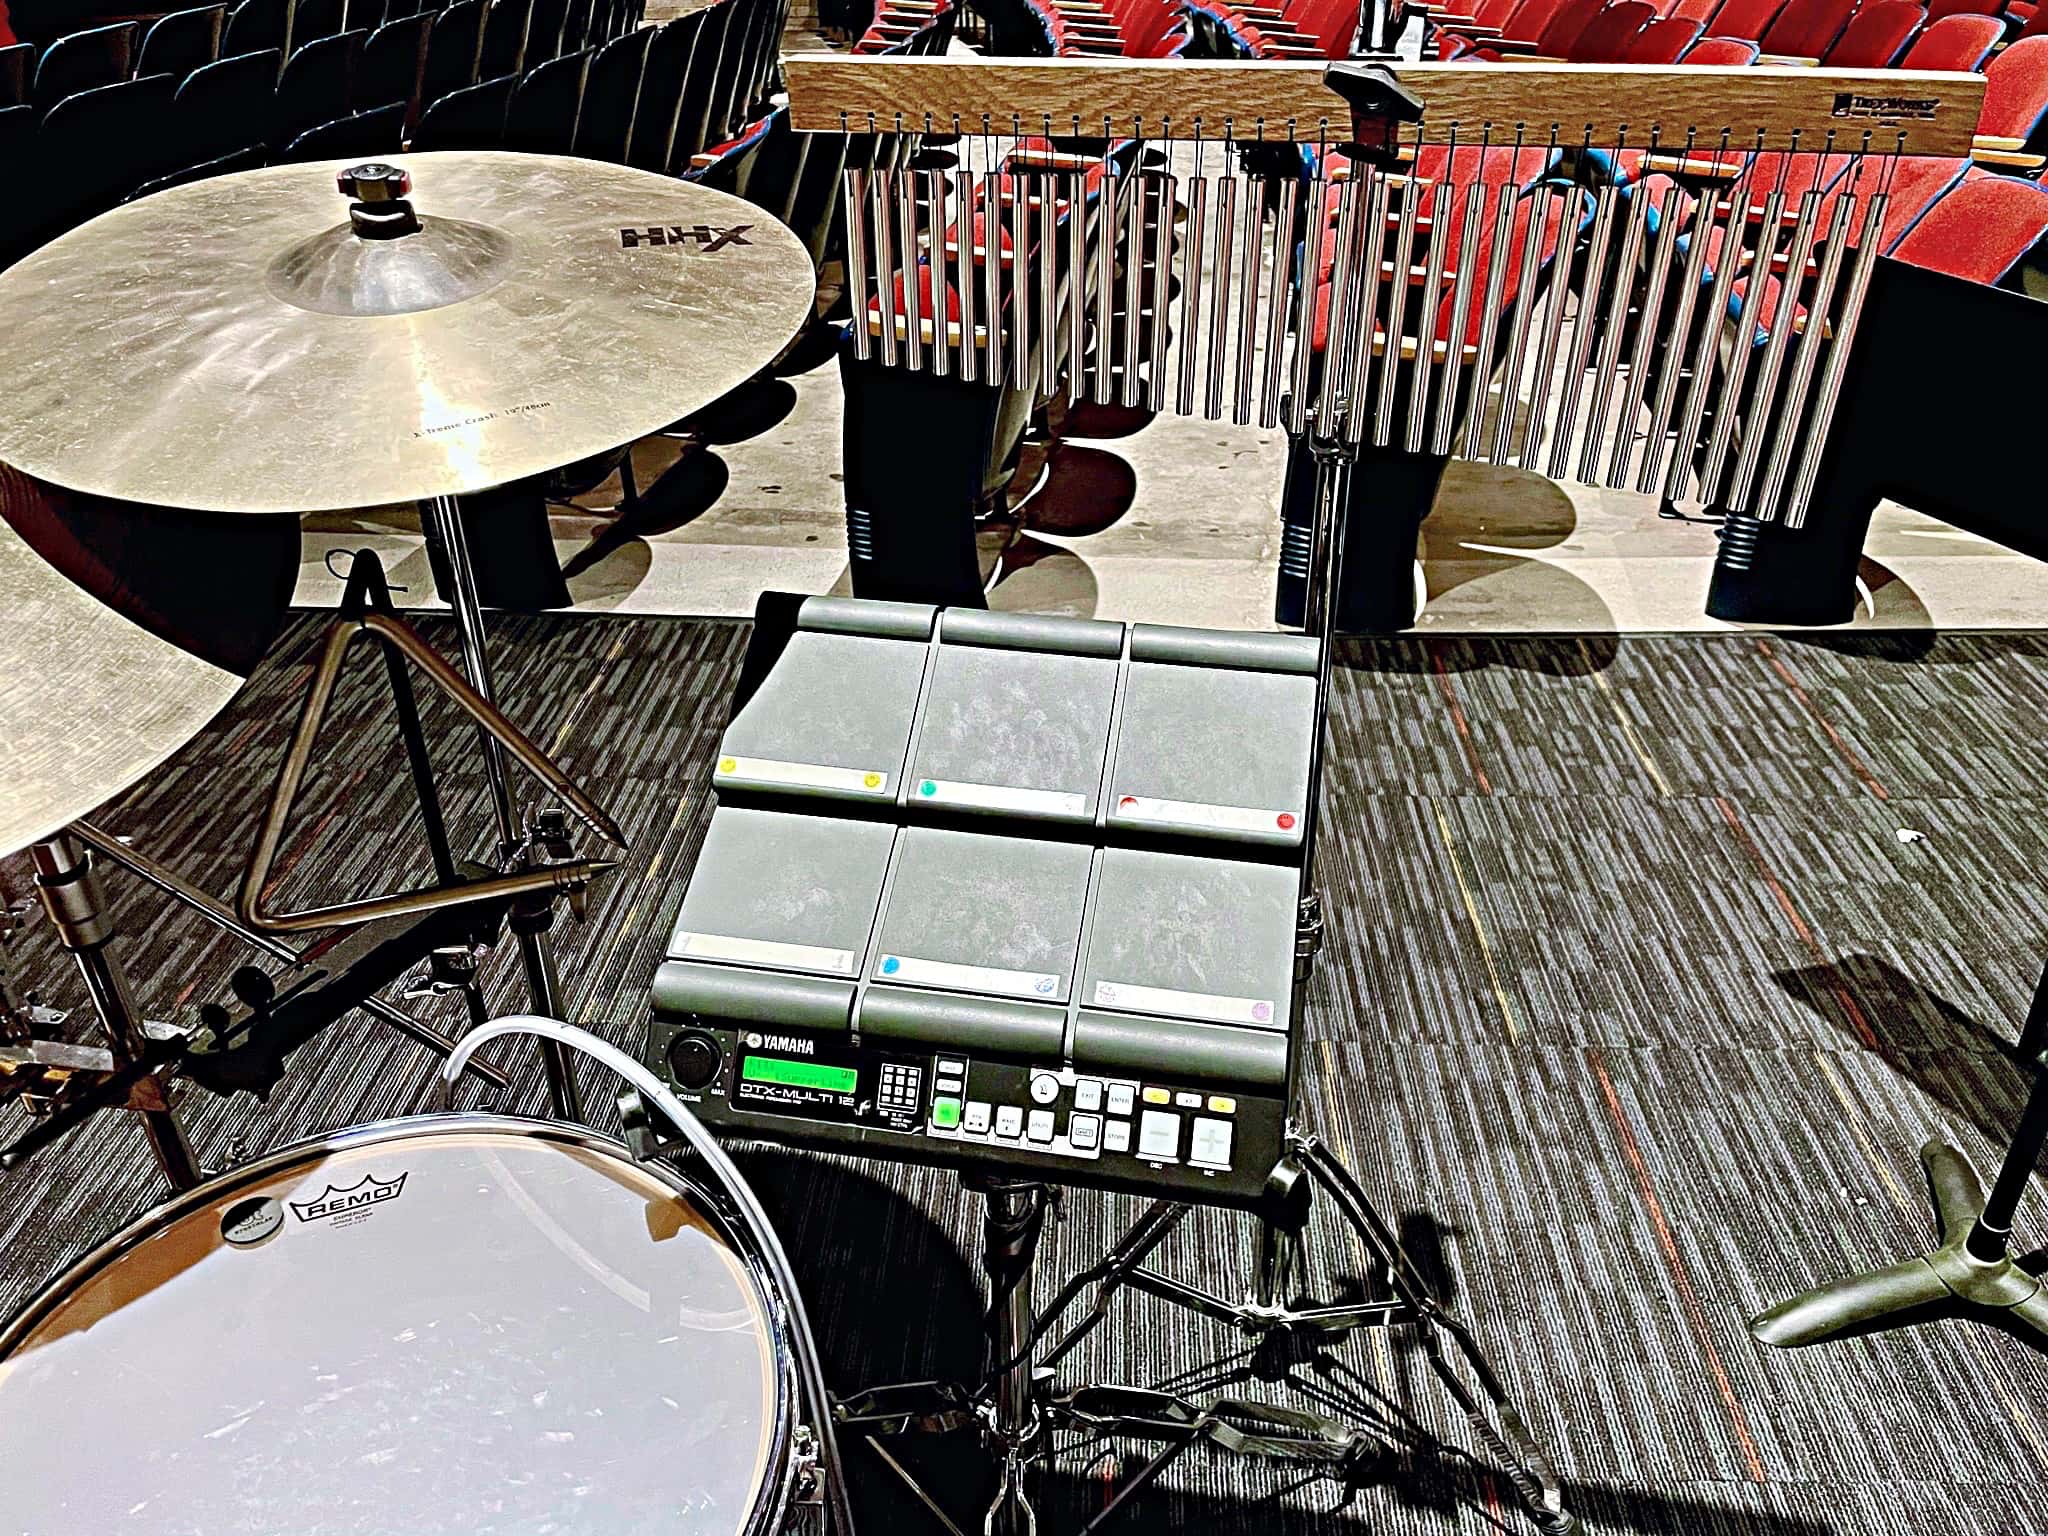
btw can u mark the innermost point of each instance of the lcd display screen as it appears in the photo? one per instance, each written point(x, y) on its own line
point(800, 1074)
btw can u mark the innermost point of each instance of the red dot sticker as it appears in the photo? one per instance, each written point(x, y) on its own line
point(1127, 802)
point(1285, 820)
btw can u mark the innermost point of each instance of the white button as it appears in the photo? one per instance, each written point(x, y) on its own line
point(1158, 1134)
point(951, 1068)
point(977, 1117)
point(1122, 1098)
point(1044, 1087)
point(1210, 1142)
point(1083, 1131)
point(1009, 1120)
point(1188, 1100)
point(1116, 1136)
point(1041, 1125)
point(1088, 1095)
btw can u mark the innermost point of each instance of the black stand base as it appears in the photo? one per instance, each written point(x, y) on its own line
point(1019, 1410)
point(1766, 573)
point(1947, 1281)
point(1972, 1273)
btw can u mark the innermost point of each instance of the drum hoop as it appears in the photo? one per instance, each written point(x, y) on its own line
point(772, 1499)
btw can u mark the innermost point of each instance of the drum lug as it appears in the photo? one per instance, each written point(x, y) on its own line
point(807, 1483)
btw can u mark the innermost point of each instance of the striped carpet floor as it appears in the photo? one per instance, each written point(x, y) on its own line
point(1652, 962)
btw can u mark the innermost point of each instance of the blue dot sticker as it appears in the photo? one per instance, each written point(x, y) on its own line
point(928, 788)
point(891, 965)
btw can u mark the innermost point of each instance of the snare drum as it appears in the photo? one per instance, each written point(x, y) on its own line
point(458, 1323)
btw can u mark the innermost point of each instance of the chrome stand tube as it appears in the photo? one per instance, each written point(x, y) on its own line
point(442, 518)
point(70, 893)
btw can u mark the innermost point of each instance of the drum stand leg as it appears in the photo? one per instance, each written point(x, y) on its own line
point(1013, 1216)
point(1307, 1165)
point(70, 893)
point(441, 517)
point(1971, 1273)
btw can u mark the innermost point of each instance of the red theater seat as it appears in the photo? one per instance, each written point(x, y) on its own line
point(1609, 35)
point(2015, 101)
point(1745, 19)
point(1804, 30)
point(1875, 36)
point(1960, 42)
point(1980, 231)
point(1722, 50)
point(1665, 40)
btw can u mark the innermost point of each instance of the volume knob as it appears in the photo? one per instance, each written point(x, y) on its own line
point(693, 1059)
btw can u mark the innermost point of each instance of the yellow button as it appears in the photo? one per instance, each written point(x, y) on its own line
point(872, 780)
point(728, 765)
point(1158, 1096)
point(1221, 1105)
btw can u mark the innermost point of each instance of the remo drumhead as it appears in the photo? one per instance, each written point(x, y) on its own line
point(457, 1323)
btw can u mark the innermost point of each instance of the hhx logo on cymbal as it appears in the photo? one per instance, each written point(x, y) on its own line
point(704, 236)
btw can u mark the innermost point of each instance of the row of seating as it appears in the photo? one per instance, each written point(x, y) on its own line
point(2013, 128)
point(1277, 29)
point(1839, 33)
point(119, 111)
point(1138, 29)
point(675, 98)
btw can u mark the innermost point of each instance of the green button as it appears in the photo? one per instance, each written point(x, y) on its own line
point(945, 1113)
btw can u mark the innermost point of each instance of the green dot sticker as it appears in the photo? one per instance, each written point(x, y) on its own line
point(928, 788)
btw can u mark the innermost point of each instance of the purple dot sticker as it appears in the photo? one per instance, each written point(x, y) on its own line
point(1263, 1012)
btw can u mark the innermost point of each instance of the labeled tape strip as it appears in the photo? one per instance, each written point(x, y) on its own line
point(1199, 813)
point(1213, 1007)
point(794, 957)
point(913, 971)
point(1000, 797)
point(768, 770)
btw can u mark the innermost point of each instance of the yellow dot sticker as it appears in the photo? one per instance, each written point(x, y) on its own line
point(871, 780)
point(728, 765)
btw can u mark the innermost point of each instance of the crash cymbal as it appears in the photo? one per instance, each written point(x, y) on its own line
point(237, 345)
point(89, 703)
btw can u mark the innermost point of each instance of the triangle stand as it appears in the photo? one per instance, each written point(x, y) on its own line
point(366, 609)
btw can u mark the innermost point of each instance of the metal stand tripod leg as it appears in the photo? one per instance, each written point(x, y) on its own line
point(223, 917)
point(1971, 1274)
point(1013, 1216)
point(442, 519)
point(70, 893)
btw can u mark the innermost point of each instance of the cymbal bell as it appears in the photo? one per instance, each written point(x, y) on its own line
point(242, 344)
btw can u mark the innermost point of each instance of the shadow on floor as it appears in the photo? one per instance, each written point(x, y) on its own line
point(1082, 491)
point(1578, 655)
point(682, 493)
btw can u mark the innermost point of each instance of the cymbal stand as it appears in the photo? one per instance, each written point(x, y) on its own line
point(1971, 1272)
point(441, 519)
point(69, 889)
